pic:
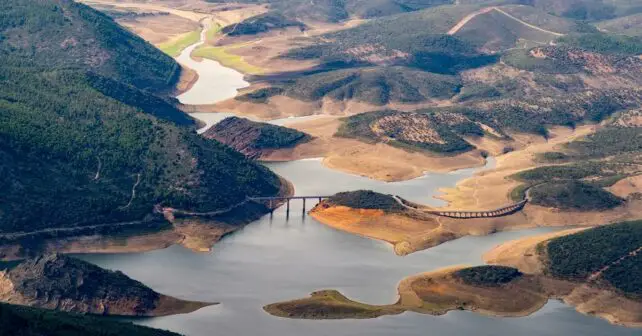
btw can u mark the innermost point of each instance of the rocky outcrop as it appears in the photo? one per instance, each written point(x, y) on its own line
point(254, 139)
point(68, 284)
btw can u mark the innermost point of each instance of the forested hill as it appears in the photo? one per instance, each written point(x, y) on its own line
point(76, 146)
point(61, 34)
point(25, 321)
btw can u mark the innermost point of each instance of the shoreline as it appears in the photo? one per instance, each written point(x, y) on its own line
point(438, 292)
point(193, 232)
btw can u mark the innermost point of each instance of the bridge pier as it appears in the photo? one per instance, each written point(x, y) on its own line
point(304, 206)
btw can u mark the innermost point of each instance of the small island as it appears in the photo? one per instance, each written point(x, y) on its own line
point(561, 265)
point(409, 227)
point(254, 139)
point(493, 290)
point(72, 285)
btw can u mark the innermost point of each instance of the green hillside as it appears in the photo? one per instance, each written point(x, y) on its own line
point(375, 85)
point(628, 25)
point(63, 34)
point(261, 24)
point(589, 10)
point(396, 40)
point(25, 321)
point(81, 141)
point(338, 10)
point(573, 257)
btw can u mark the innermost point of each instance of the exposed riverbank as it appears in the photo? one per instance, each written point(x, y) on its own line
point(433, 293)
point(489, 290)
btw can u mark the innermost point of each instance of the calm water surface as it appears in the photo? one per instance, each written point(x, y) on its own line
point(215, 82)
point(278, 258)
point(283, 257)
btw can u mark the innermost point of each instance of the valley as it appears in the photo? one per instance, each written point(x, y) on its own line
point(157, 160)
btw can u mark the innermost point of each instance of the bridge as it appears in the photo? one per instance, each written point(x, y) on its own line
point(286, 199)
point(503, 211)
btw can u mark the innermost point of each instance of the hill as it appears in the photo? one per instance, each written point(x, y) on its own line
point(261, 24)
point(373, 85)
point(365, 199)
point(438, 132)
point(617, 264)
point(334, 11)
point(64, 283)
point(83, 142)
point(26, 321)
point(254, 138)
point(628, 25)
point(63, 34)
point(589, 10)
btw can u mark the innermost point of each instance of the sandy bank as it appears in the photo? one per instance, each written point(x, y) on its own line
point(197, 233)
point(404, 233)
point(587, 298)
point(377, 161)
point(433, 293)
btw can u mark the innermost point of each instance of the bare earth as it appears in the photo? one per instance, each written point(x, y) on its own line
point(378, 161)
point(441, 291)
point(587, 299)
point(433, 293)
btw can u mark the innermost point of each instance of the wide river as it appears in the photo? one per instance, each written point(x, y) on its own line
point(278, 258)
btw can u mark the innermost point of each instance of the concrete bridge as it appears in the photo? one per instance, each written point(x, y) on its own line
point(504, 211)
point(286, 199)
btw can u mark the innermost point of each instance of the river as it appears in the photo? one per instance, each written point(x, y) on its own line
point(280, 258)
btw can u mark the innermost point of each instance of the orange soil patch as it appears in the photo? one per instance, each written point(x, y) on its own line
point(396, 229)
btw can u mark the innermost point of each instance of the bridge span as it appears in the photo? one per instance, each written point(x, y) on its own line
point(271, 200)
point(503, 211)
point(499, 212)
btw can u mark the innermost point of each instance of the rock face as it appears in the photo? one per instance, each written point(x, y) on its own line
point(254, 139)
point(68, 284)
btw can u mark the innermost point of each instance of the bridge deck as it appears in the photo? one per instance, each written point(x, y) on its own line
point(268, 198)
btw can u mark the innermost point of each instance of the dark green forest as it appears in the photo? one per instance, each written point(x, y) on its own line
point(366, 199)
point(574, 257)
point(488, 275)
point(80, 130)
point(26, 321)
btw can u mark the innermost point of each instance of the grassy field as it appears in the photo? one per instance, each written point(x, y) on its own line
point(222, 55)
point(174, 46)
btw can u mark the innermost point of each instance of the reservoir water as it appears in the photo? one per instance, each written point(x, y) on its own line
point(280, 258)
